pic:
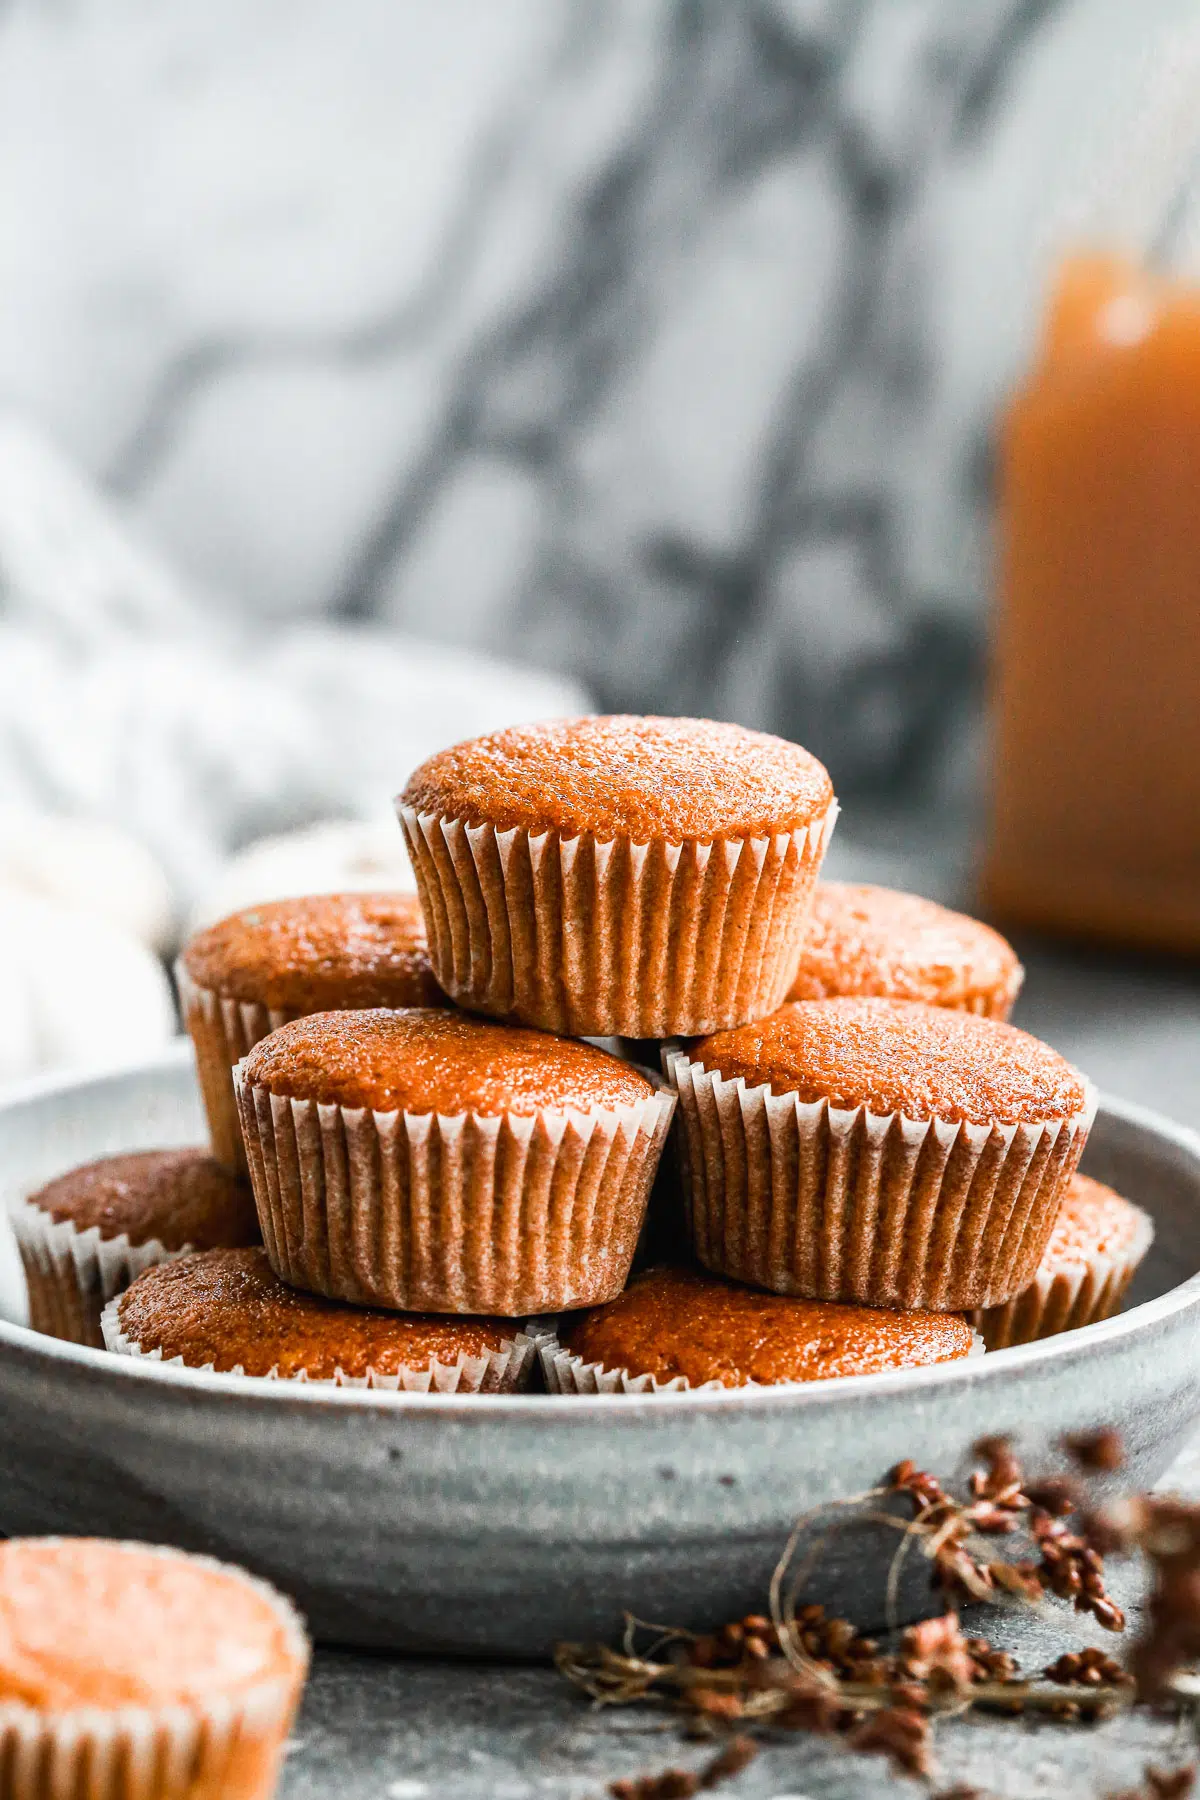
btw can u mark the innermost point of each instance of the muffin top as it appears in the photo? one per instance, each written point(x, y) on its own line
point(229, 1308)
point(1094, 1221)
point(424, 1061)
point(88, 1623)
point(873, 940)
point(626, 776)
point(671, 1322)
point(323, 951)
point(900, 1056)
point(177, 1196)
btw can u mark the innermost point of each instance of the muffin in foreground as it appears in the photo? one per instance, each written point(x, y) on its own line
point(432, 1162)
point(1094, 1251)
point(679, 1328)
point(250, 973)
point(882, 1152)
point(876, 941)
point(636, 877)
point(86, 1235)
point(134, 1673)
point(227, 1311)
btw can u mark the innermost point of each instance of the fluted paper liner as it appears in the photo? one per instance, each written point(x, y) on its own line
point(1065, 1298)
point(222, 1032)
point(503, 1371)
point(506, 1215)
point(565, 1373)
point(226, 1747)
point(71, 1274)
point(879, 1209)
point(592, 938)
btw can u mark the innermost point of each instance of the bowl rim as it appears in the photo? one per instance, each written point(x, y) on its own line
point(21, 1343)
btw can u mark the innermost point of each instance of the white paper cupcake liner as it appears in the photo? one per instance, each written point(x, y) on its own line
point(504, 1371)
point(876, 1209)
point(227, 1747)
point(71, 1274)
point(596, 939)
point(503, 1215)
point(222, 1032)
point(1065, 1298)
point(565, 1373)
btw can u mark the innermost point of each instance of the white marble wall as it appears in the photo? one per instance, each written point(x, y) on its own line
point(657, 340)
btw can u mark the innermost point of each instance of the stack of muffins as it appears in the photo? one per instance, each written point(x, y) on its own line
point(451, 1179)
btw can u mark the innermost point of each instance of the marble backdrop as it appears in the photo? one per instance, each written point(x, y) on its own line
point(656, 341)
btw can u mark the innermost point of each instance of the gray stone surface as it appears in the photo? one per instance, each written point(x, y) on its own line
point(375, 1729)
point(379, 1729)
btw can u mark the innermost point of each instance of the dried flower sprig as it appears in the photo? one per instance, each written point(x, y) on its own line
point(798, 1669)
point(682, 1784)
point(737, 1678)
point(1166, 1531)
point(1068, 1564)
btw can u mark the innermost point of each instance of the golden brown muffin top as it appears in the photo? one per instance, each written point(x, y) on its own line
point(423, 1061)
point(900, 1056)
point(88, 1623)
point(626, 776)
point(177, 1196)
point(874, 940)
point(1093, 1221)
point(671, 1322)
point(228, 1307)
point(323, 951)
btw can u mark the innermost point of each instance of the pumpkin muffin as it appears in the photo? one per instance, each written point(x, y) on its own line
point(255, 970)
point(86, 1235)
point(1093, 1254)
point(680, 1328)
point(622, 876)
point(882, 1152)
point(874, 940)
point(228, 1311)
point(129, 1672)
point(432, 1162)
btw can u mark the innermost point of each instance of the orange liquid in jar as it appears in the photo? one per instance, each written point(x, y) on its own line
point(1096, 784)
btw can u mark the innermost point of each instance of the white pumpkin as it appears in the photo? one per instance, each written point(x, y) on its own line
point(82, 862)
point(76, 991)
point(340, 857)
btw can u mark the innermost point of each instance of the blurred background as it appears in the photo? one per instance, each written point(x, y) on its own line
point(373, 376)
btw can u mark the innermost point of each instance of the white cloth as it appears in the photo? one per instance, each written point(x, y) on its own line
point(126, 699)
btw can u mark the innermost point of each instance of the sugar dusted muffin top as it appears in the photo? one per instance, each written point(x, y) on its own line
point(319, 952)
point(228, 1308)
point(175, 1196)
point(429, 1060)
point(88, 1623)
point(900, 1056)
point(1093, 1221)
point(626, 776)
point(876, 941)
point(676, 1321)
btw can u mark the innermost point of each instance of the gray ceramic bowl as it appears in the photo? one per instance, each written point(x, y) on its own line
point(495, 1525)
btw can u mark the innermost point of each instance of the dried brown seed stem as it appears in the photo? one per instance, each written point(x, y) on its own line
point(798, 1669)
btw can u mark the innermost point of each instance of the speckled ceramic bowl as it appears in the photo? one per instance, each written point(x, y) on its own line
point(495, 1525)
